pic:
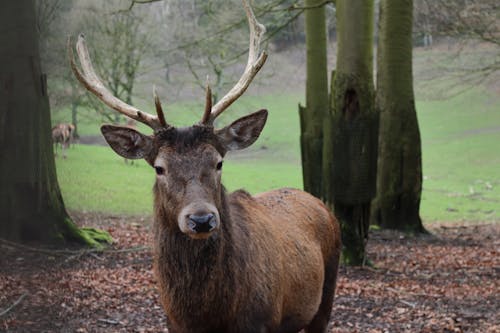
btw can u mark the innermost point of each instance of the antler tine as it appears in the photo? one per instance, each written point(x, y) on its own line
point(255, 62)
point(92, 83)
point(159, 110)
point(208, 104)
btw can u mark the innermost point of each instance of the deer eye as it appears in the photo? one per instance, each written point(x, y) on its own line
point(159, 170)
point(219, 166)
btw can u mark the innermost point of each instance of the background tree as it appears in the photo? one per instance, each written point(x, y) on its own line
point(191, 39)
point(399, 179)
point(462, 24)
point(350, 145)
point(120, 42)
point(209, 37)
point(313, 114)
point(31, 206)
point(53, 16)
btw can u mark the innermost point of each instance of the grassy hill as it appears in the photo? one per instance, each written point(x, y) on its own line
point(461, 159)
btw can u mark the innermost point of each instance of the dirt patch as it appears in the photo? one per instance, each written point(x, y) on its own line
point(448, 282)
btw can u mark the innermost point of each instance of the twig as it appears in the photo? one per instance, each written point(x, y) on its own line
point(408, 293)
point(96, 256)
point(109, 321)
point(321, 4)
point(71, 252)
point(410, 304)
point(4, 312)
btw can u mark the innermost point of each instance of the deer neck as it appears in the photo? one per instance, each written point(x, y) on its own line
point(176, 251)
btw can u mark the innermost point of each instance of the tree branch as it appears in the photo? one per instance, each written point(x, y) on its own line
point(133, 2)
point(4, 312)
point(321, 4)
point(52, 252)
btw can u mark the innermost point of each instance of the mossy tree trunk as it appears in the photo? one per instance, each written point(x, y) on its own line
point(313, 114)
point(399, 180)
point(31, 206)
point(350, 153)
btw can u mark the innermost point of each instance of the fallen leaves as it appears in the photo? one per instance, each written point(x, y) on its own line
point(447, 282)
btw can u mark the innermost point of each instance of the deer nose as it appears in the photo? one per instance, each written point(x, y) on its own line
point(202, 223)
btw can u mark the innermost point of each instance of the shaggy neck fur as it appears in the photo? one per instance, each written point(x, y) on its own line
point(193, 273)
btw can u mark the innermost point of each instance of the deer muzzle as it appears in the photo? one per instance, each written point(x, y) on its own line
point(199, 220)
point(202, 223)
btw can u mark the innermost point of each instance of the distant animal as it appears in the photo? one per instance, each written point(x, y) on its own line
point(226, 262)
point(63, 136)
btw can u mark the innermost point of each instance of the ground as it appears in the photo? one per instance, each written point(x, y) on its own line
point(445, 282)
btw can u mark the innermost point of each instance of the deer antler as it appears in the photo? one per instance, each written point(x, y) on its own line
point(92, 83)
point(255, 62)
point(159, 110)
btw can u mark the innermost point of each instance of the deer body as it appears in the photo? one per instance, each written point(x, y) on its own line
point(226, 263)
point(266, 271)
point(269, 262)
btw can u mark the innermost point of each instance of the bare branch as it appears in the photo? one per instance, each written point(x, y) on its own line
point(52, 252)
point(4, 312)
point(256, 60)
point(134, 2)
point(92, 82)
point(321, 4)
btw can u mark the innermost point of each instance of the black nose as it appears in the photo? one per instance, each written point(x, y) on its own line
point(202, 223)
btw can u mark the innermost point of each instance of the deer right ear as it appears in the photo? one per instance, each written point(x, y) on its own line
point(242, 132)
point(128, 142)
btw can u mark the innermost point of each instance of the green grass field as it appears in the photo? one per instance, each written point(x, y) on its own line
point(461, 159)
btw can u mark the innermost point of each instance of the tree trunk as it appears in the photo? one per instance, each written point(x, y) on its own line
point(312, 116)
point(31, 206)
point(350, 153)
point(399, 181)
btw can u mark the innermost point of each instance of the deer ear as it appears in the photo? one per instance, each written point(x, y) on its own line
point(242, 132)
point(127, 142)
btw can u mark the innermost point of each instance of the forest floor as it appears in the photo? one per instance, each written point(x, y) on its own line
point(445, 282)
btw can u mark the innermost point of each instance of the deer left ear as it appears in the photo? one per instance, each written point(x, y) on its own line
point(242, 132)
point(127, 142)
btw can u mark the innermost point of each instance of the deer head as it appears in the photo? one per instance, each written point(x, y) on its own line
point(187, 161)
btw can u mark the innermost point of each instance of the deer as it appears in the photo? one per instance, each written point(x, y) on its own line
point(62, 134)
point(225, 262)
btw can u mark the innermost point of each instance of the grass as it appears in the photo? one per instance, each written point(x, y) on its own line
point(94, 178)
point(461, 159)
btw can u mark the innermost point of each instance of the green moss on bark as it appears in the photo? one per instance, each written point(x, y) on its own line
point(91, 237)
point(313, 114)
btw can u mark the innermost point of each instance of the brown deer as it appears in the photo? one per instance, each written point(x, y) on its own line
point(226, 262)
point(62, 135)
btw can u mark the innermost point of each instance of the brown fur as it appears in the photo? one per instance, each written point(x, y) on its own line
point(62, 135)
point(269, 265)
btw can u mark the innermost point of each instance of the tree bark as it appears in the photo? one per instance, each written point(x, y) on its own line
point(399, 180)
point(350, 153)
point(31, 205)
point(313, 114)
